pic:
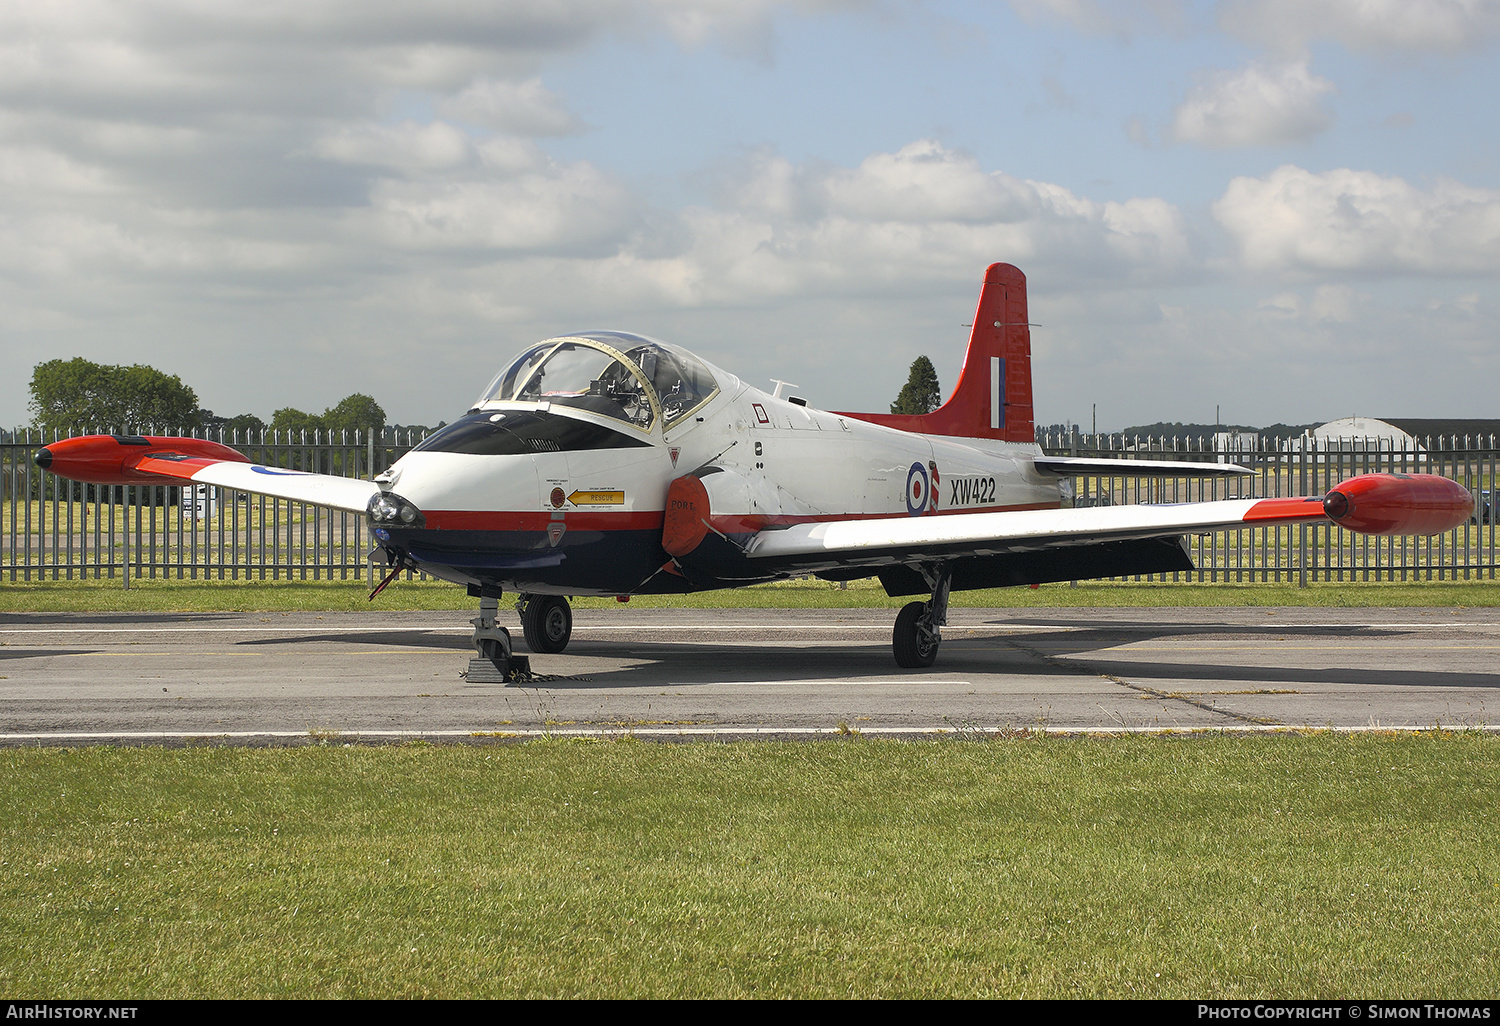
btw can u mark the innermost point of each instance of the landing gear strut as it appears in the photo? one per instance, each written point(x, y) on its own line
point(496, 662)
point(916, 636)
point(547, 622)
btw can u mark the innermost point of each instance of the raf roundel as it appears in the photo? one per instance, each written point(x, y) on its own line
point(916, 490)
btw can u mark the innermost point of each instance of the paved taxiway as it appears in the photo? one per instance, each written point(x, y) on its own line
point(144, 677)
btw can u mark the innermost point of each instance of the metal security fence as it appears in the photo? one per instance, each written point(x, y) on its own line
point(1303, 466)
point(53, 529)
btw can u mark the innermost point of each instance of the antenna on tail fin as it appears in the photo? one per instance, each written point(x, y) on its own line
point(993, 396)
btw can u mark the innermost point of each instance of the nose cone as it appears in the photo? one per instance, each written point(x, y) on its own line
point(42, 458)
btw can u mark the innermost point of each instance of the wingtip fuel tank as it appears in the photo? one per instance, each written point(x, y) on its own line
point(1419, 504)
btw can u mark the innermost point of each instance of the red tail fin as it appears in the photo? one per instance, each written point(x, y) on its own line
point(993, 396)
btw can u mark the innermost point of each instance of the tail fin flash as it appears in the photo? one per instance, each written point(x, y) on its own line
point(993, 396)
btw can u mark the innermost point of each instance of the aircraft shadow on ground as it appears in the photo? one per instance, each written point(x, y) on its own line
point(414, 638)
point(1089, 632)
point(43, 653)
point(1021, 654)
point(1290, 675)
point(1097, 639)
point(1073, 650)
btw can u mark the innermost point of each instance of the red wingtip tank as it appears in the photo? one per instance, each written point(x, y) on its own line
point(111, 459)
point(1399, 504)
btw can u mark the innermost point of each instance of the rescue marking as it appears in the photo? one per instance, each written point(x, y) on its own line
point(597, 497)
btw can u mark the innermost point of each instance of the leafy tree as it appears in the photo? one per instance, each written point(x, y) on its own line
point(289, 419)
point(357, 412)
point(77, 395)
point(921, 393)
point(246, 424)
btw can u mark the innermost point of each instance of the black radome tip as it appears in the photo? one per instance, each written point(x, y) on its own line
point(1336, 505)
point(42, 458)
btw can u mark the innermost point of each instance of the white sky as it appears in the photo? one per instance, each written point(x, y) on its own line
point(1286, 208)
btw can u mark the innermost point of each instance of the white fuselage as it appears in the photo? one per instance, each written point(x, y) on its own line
point(777, 463)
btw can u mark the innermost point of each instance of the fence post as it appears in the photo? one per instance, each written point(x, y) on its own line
point(1302, 528)
point(125, 552)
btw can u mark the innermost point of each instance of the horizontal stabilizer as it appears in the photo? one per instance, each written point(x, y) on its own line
point(1070, 466)
point(346, 493)
point(164, 460)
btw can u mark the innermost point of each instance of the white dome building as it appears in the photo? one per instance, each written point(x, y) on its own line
point(1343, 440)
point(1364, 434)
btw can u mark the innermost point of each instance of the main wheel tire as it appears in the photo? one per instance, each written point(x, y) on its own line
point(547, 622)
point(914, 646)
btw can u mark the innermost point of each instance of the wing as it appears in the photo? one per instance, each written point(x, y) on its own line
point(140, 460)
point(1370, 503)
point(934, 539)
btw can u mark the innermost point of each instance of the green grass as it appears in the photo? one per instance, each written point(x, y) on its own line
point(1277, 866)
point(282, 596)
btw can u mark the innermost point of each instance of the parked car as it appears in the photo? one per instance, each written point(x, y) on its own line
point(1483, 508)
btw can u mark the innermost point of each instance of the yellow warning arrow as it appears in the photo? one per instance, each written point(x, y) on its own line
point(595, 498)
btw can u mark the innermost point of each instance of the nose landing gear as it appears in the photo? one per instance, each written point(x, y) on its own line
point(496, 663)
point(917, 633)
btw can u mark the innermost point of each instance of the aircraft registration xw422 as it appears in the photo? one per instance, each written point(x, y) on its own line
point(606, 463)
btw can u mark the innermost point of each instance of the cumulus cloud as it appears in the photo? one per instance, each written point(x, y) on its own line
point(572, 210)
point(519, 108)
point(899, 220)
point(1362, 222)
point(212, 188)
point(408, 147)
point(1258, 105)
point(187, 59)
point(1440, 26)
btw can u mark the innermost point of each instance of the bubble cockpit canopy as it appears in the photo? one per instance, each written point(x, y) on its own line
point(627, 377)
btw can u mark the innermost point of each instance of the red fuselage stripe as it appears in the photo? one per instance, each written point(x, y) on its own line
point(517, 520)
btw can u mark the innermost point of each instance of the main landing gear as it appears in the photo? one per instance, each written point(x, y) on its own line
point(916, 636)
point(547, 622)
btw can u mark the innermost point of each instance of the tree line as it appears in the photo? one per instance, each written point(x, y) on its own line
point(78, 395)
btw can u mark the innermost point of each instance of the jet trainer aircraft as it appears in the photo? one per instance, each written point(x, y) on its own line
point(607, 463)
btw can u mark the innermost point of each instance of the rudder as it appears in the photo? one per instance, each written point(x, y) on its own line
point(993, 396)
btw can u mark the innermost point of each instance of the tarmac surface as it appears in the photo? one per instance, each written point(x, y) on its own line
point(259, 678)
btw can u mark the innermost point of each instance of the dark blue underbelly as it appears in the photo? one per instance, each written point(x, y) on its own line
point(617, 562)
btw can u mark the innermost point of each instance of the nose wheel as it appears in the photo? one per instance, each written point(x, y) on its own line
point(917, 634)
point(546, 621)
point(496, 662)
